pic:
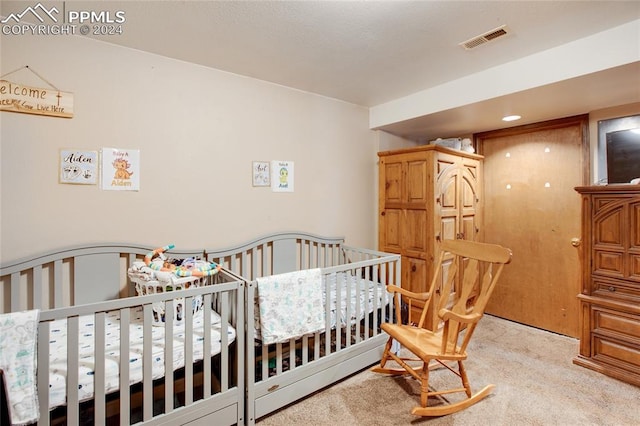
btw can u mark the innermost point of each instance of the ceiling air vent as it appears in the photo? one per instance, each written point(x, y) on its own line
point(485, 38)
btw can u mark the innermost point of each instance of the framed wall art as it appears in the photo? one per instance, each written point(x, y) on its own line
point(78, 167)
point(261, 173)
point(120, 169)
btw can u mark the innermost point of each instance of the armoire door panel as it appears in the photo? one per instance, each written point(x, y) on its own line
point(468, 228)
point(608, 263)
point(471, 169)
point(446, 300)
point(602, 203)
point(449, 228)
point(414, 278)
point(416, 273)
point(449, 195)
point(468, 194)
point(634, 239)
point(634, 266)
point(414, 232)
point(416, 182)
point(608, 230)
point(444, 163)
point(393, 182)
point(391, 227)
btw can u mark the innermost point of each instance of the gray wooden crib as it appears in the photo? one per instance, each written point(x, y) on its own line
point(83, 292)
point(355, 303)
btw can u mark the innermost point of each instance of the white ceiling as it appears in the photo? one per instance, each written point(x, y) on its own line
point(372, 52)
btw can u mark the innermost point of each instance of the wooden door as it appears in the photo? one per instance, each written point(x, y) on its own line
point(531, 207)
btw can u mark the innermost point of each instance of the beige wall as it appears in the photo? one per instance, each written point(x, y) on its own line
point(198, 130)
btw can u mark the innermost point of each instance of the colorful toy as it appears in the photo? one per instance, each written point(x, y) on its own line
point(190, 267)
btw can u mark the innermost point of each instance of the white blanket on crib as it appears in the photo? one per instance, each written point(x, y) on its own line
point(290, 305)
point(18, 354)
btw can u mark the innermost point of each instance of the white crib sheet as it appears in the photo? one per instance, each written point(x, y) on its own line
point(364, 296)
point(58, 350)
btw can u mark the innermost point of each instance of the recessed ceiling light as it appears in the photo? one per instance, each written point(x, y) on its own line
point(511, 118)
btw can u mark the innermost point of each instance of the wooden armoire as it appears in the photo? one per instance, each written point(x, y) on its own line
point(427, 194)
point(610, 294)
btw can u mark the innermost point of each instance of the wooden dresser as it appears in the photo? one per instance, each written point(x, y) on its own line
point(427, 194)
point(610, 297)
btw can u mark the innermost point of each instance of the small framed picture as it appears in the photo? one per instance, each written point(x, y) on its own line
point(282, 179)
point(78, 166)
point(261, 173)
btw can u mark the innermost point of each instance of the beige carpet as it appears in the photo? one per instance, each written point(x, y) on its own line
point(536, 384)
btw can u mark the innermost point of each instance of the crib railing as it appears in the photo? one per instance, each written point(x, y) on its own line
point(139, 402)
point(279, 253)
point(60, 278)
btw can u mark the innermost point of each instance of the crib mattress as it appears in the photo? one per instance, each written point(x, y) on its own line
point(58, 350)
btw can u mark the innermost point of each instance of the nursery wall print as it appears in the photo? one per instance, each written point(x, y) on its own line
point(120, 169)
point(261, 173)
point(79, 167)
point(282, 176)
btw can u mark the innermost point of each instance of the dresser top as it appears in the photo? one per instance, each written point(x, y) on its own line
point(618, 188)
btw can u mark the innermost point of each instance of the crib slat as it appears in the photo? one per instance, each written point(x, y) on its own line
point(168, 355)
point(125, 405)
point(292, 354)
point(316, 347)
point(278, 358)
point(43, 372)
point(73, 409)
point(223, 310)
point(207, 345)
point(244, 267)
point(99, 380)
point(15, 292)
point(188, 351)
point(305, 349)
point(327, 313)
point(131, 288)
point(265, 362)
point(339, 302)
point(58, 285)
point(37, 287)
point(147, 379)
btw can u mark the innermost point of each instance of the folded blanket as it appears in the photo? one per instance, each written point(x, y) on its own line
point(18, 354)
point(290, 305)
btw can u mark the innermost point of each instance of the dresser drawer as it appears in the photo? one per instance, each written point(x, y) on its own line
point(616, 353)
point(615, 289)
point(616, 325)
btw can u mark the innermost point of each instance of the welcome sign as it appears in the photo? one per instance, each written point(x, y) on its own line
point(34, 100)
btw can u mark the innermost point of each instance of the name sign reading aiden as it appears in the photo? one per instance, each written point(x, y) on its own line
point(34, 100)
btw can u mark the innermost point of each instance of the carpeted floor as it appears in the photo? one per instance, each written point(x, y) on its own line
point(536, 384)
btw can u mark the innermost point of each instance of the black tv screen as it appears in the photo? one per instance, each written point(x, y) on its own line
point(623, 156)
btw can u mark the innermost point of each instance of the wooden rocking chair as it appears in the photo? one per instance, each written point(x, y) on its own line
point(470, 271)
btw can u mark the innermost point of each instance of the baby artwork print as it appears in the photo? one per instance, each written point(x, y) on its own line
point(120, 169)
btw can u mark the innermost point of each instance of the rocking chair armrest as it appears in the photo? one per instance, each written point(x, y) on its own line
point(447, 315)
point(410, 294)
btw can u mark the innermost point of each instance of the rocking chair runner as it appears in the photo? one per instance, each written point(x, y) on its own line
point(471, 271)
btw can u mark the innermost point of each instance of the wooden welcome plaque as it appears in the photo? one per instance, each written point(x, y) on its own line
point(34, 100)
